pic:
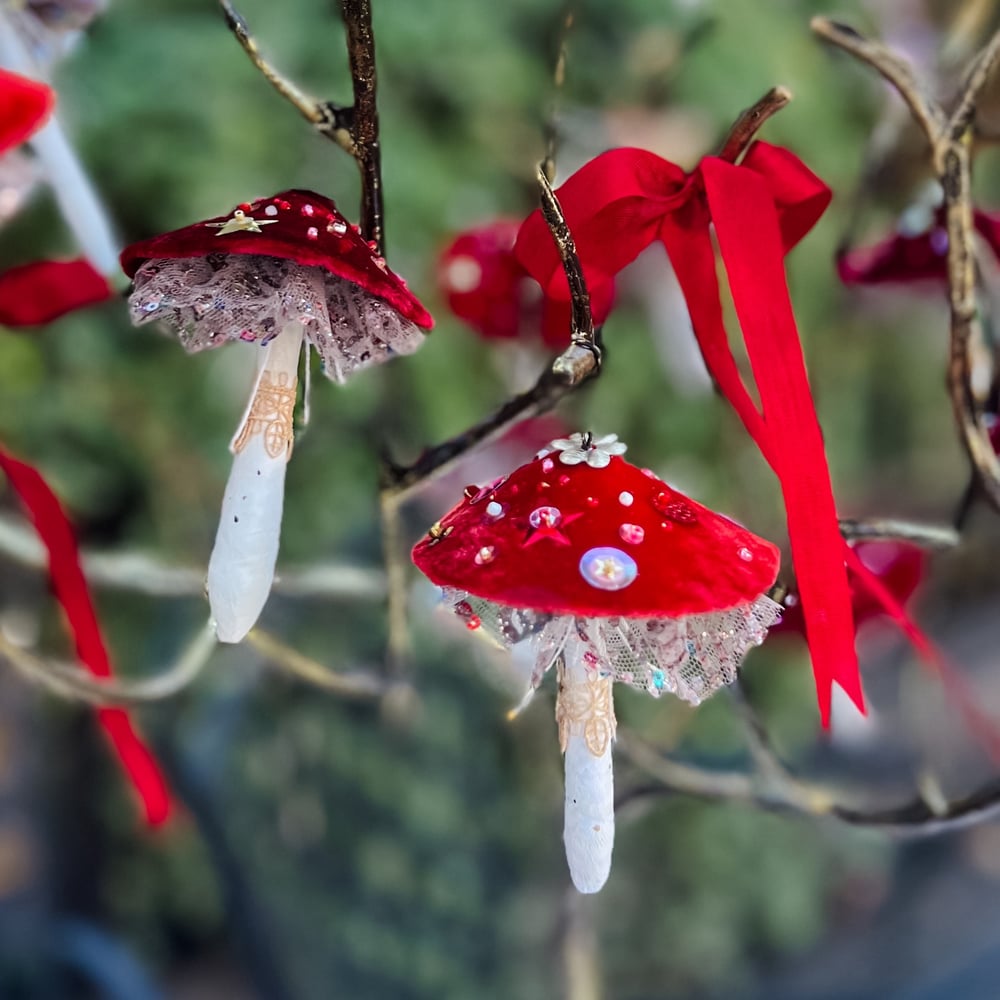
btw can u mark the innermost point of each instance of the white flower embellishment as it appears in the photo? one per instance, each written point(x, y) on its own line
point(596, 452)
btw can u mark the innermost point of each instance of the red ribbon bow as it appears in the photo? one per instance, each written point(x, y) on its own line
point(622, 201)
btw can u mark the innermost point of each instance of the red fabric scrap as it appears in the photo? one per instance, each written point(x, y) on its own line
point(42, 291)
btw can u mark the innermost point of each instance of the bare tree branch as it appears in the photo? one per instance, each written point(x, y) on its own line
point(142, 574)
point(950, 140)
point(356, 684)
point(930, 536)
point(895, 70)
point(750, 122)
point(355, 128)
point(912, 819)
point(77, 685)
point(364, 131)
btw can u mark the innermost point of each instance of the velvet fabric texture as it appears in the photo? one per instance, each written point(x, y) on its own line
point(504, 544)
point(623, 200)
point(40, 292)
point(300, 226)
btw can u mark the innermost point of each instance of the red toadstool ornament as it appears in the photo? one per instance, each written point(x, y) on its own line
point(274, 273)
point(487, 287)
point(605, 569)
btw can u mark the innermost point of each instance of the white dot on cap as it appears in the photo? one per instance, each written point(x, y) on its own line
point(625, 498)
point(463, 274)
point(271, 210)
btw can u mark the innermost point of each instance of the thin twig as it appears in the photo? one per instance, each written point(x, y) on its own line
point(550, 129)
point(353, 685)
point(982, 66)
point(950, 138)
point(930, 536)
point(750, 121)
point(353, 128)
point(142, 574)
point(579, 363)
point(308, 107)
point(896, 71)
point(766, 760)
point(364, 131)
point(911, 819)
point(74, 684)
point(583, 356)
point(399, 645)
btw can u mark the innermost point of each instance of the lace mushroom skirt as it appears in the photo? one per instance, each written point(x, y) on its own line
point(222, 297)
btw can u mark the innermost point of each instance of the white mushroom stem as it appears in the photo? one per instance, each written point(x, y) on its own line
point(586, 717)
point(78, 202)
point(241, 569)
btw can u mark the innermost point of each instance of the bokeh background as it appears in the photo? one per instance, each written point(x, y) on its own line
point(411, 847)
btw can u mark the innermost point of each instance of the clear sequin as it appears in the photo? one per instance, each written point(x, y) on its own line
point(313, 233)
point(337, 228)
point(632, 533)
point(607, 568)
point(548, 465)
point(745, 554)
point(485, 555)
point(308, 211)
point(545, 517)
point(625, 498)
point(271, 210)
point(494, 509)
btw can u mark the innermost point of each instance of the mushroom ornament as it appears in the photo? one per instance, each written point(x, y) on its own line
point(607, 572)
point(276, 273)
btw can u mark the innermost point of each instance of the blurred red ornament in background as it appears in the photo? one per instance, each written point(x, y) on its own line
point(900, 566)
point(486, 286)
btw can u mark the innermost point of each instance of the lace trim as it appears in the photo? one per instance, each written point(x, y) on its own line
point(690, 657)
point(211, 300)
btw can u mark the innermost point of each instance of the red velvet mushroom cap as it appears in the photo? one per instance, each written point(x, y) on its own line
point(299, 226)
point(611, 541)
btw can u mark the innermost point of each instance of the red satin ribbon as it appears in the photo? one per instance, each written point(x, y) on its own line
point(71, 592)
point(625, 199)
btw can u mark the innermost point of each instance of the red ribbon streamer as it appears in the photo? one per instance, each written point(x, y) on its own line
point(71, 592)
point(625, 199)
